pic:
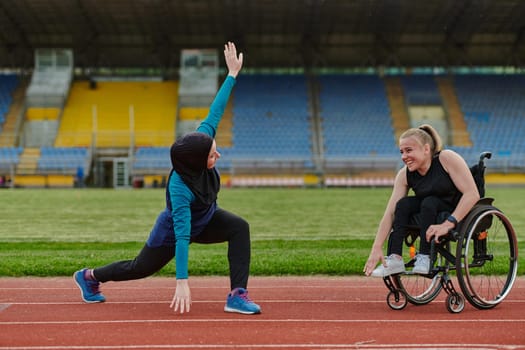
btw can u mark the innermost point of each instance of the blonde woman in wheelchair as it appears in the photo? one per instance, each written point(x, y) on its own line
point(441, 181)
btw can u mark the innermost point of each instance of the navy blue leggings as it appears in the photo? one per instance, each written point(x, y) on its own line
point(428, 209)
point(223, 227)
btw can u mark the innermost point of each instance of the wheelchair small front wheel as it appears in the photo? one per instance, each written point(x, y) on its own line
point(455, 303)
point(397, 300)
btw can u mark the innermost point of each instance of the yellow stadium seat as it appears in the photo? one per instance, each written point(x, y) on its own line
point(42, 113)
point(119, 113)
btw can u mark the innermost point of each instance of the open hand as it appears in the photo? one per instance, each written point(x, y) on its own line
point(233, 61)
point(182, 298)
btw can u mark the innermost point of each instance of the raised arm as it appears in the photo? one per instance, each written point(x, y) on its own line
point(234, 63)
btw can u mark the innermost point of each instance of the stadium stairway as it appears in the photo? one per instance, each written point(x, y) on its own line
point(396, 100)
point(458, 125)
point(224, 133)
point(28, 163)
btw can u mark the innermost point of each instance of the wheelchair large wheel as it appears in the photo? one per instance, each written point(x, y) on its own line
point(486, 257)
point(419, 289)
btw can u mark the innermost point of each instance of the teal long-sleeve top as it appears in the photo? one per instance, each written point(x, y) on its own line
point(186, 220)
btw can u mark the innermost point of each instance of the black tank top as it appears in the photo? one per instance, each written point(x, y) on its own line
point(436, 182)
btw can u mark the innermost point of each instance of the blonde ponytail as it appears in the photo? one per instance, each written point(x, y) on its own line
point(425, 133)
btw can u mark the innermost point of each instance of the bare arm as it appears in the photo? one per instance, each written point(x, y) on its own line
point(399, 191)
point(460, 174)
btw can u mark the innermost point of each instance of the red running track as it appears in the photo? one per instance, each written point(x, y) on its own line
point(297, 313)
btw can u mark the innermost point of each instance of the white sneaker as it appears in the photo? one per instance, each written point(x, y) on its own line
point(394, 264)
point(422, 264)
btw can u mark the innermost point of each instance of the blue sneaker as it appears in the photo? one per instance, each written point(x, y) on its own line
point(238, 301)
point(89, 289)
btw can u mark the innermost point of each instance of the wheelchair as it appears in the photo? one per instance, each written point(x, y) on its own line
point(485, 260)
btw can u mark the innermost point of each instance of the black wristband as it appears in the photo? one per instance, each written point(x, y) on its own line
point(453, 220)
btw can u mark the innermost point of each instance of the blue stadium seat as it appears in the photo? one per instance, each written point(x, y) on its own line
point(152, 159)
point(62, 159)
point(271, 119)
point(9, 156)
point(494, 110)
point(355, 117)
point(8, 83)
point(421, 90)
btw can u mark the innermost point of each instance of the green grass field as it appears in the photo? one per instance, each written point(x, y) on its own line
point(294, 231)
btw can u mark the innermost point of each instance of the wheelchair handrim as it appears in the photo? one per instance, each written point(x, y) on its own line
point(467, 279)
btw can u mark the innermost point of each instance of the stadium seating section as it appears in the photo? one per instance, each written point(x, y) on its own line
point(117, 110)
point(278, 121)
point(494, 110)
point(355, 117)
point(271, 121)
point(421, 90)
point(63, 159)
point(9, 156)
point(8, 83)
point(152, 160)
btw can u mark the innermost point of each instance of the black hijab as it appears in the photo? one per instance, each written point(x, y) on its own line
point(189, 158)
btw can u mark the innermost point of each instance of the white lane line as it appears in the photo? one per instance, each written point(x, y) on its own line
point(253, 320)
point(359, 301)
point(117, 286)
point(205, 302)
point(114, 286)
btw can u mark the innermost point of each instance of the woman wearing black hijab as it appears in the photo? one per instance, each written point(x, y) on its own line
point(191, 215)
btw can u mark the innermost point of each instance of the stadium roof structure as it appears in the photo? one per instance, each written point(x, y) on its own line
point(271, 33)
